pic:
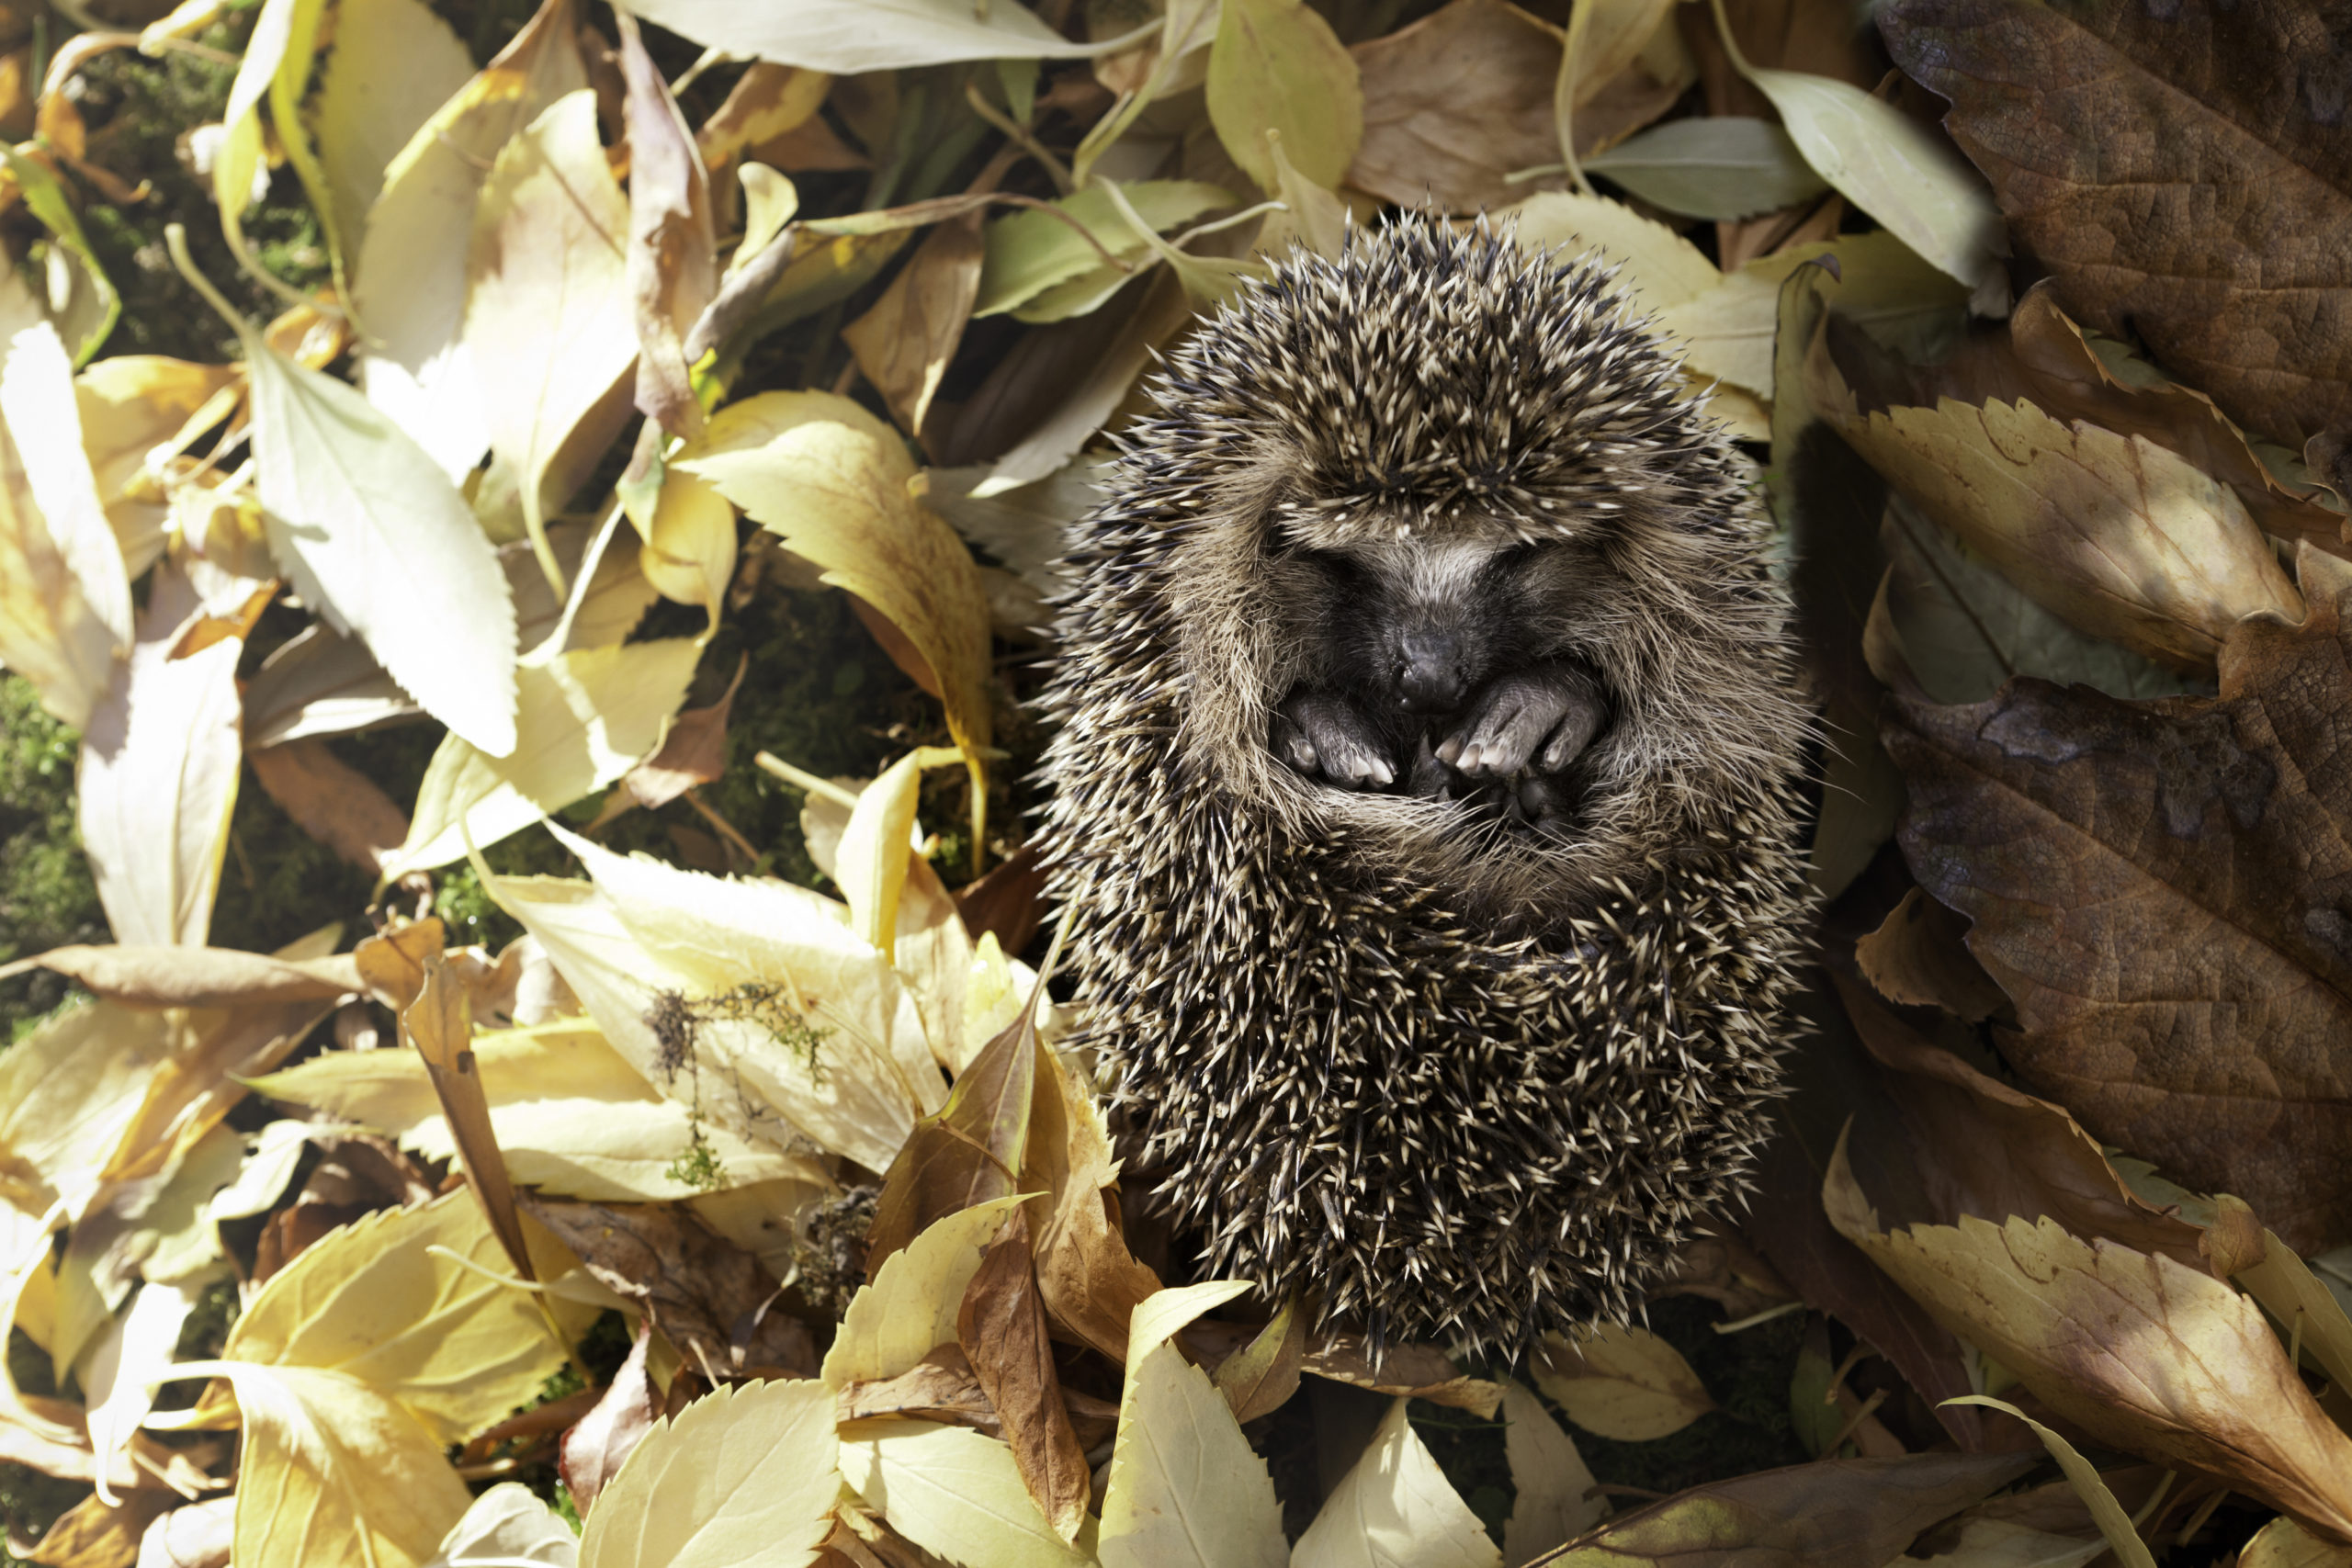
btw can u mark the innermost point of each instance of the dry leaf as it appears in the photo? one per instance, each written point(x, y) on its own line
point(1002, 1328)
point(1621, 1383)
point(595, 1449)
point(672, 260)
point(508, 1526)
point(951, 1491)
point(2187, 188)
point(915, 1299)
point(1454, 103)
point(1557, 1497)
point(1277, 66)
point(1403, 1372)
point(1917, 957)
point(1395, 1507)
point(1090, 1283)
point(904, 342)
point(439, 1023)
point(2143, 1353)
point(2148, 883)
point(746, 1474)
point(332, 801)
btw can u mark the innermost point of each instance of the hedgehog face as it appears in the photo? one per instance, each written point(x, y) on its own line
point(1439, 664)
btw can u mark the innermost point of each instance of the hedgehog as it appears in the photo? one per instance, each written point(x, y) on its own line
point(1446, 1024)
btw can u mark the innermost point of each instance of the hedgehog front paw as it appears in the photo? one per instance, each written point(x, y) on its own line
point(1542, 717)
point(1319, 734)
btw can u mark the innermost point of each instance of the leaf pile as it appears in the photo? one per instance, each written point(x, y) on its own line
point(616, 1199)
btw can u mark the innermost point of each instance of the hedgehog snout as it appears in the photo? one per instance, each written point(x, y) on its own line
point(1431, 671)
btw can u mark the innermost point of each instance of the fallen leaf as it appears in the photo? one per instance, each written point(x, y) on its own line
point(836, 485)
point(916, 1295)
point(138, 411)
point(2069, 826)
point(95, 1533)
point(1721, 166)
point(2114, 1525)
point(1839, 1513)
point(548, 322)
point(673, 261)
point(410, 283)
point(332, 801)
point(2283, 1543)
point(940, 1387)
point(904, 342)
point(439, 1024)
point(971, 1150)
point(2294, 1295)
point(849, 36)
point(710, 1299)
point(951, 1491)
point(1044, 265)
point(766, 102)
point(2173, 174)
point(509, 1526)
point(1259, 1378)
point(744, 1474)
point(1419, 143)
point(1185, 1488)
point(1395, 1507)
point(1621, 1382)
point(595, 1449)
point(693, 751)
point(1917, 956)
point(1276, 65)
point(2121, 537)
point(124, 1367)
point(64, 597)
point(1557, 1499)
point(394, 65)
point(198, 1536)
point(1404, 1372)
point(2142, 1353)
point(583, 720)
point(1002, 1328)
point(158, 775)
point(1091, 1281)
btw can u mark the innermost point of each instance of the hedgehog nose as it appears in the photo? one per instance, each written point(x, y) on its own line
point(1428, 673)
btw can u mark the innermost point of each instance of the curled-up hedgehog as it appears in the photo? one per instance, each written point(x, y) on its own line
point(1426, 788)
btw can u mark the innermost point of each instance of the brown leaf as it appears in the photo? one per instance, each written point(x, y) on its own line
point(693, 752)
point(93, 1535)
point(940, 1387)
point(1980, 1147)
point(672, 260)
point(440, 1024)
point(393, 962)
point(904, 342)
point(1833, 1513)
point(969, 1150)
point(1090, 1283)
point(595, 1449)
point(332, 801)
point(1001, 1329)
point(767, 101)
point(2181, 172)
point(2121, 537)
point(709, 1297)
point(2160, 889)
point(1006, 901)
point(194, 977)
point(1918, 957)
point(2145, 1354)
point(197, 1536)
point(1405, 1371)
point(1457, 101)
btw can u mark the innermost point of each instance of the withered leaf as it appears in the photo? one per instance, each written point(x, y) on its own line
point(2165, 889)
point(1834, 1513)
point(709, 1297)
point(332, 801)
point(966, 1152)
point(940, 1387)
point(673, 265)
point(1423, 138)
point(1404, 1372)
point(1259, 1378)
point(904, 342)
point(440, 1025)
point(1918, 957)
point(1003, 1331)
point(2180, 170)
point(594, 1448)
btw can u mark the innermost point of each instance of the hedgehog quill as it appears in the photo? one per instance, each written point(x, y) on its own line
point(1426, 789)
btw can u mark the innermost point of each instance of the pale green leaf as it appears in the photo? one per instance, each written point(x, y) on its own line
point(1032, 251)
point(1276, 65)
point(1720, 166)
point(585, 718)
point(744, 1475)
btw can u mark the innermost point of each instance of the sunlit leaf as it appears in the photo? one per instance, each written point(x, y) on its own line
point(508, 1525)
point(849, 36)
point(394, 65)
point(912, 1303)
point(745, 1475)
point(952, 1490)
point(1396, 1507)
point(1621, 1382)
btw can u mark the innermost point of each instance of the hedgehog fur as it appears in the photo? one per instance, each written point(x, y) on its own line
point(1438, 1081)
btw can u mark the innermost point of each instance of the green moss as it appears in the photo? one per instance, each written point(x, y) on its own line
point(46, 896)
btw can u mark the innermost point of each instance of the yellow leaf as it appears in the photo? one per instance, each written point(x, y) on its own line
point(394, 65)
point(1621, 1383)
point(131, 404)
point(378, 1302)
point(1184, 1486)
point(954, 1492)
point(1660, 269)
point(836, 486)
point(333, 1472)
point(508, 1525)
point(871, 861)
point(582, 720)
point(910, 1307)
point(64, 597)
point(689, 553)
point(1276, 65)
point(2283, 1543)
point(572, 1117)
point(550, 320)
point(747, 1475)
point(1394, 1508)
point(68, 1090)
point(2114, 1524)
